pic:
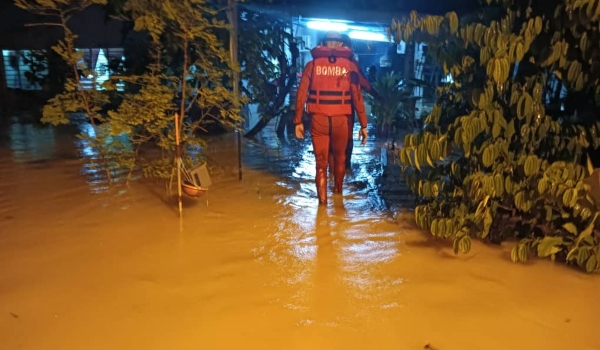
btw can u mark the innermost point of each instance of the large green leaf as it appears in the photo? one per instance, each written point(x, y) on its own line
point(549, 246)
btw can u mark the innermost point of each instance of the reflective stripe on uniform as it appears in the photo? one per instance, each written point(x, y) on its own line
point(314, 94)
point(329, 102)
point(328, 93)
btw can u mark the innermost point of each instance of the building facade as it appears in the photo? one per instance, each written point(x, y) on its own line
point(23, 37)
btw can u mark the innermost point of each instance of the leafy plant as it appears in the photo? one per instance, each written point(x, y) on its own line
point(393, 110)
point(145, 116)
point(269, 74)
point(499, 156)
point(266, 67)
point(195, 77)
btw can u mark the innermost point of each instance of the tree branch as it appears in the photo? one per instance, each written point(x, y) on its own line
point(43, 25)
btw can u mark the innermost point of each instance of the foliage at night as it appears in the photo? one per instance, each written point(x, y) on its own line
point(269, 72)
point(197, 78)
point(179, 63)
point(395, 109)
point(500, 155)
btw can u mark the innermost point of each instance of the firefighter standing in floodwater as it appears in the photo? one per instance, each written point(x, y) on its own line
point(331, 82)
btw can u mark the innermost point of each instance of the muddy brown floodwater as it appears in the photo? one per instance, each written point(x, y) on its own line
point(260, 267)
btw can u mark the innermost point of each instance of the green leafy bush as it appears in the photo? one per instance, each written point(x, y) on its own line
point(499, 157)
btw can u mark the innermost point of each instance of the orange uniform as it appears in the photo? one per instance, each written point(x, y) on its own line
point(330, 89)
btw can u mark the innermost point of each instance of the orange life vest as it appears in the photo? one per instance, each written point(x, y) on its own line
point(329, 91)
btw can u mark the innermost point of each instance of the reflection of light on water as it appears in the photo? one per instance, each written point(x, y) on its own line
point(370, 252)
point(292, 250)
point(306, 168)
point(344, 246)
point(296, 233)
point(84, 145)
point(306, 252)
point(362, 254)
point(359, 248)
point(95, 169)
point(295, 243)
point(30, 142)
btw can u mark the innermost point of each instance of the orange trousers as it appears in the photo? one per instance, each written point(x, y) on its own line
point(329, 132)
point(349, 146)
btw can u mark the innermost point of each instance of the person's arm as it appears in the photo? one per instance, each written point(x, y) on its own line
point(357, 99)
point(364, 83)
point(302, 92)
point(359, 106)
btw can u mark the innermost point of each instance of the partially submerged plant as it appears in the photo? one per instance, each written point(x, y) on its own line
point(496, 158)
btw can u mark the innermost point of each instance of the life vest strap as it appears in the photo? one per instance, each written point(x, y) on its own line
point(329, 93)
point(329, 102)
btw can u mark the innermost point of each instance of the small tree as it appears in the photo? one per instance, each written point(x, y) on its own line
point(145, 116)
point(76, 98)
point(498, 156)
point(196, 77)
point(266, 67)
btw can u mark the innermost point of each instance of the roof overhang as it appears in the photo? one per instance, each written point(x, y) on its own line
point(375, 18)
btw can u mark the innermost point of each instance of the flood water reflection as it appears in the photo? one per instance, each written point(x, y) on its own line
point(255, 264)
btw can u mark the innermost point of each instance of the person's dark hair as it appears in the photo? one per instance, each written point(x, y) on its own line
point(331, 36)
point(346, 40)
